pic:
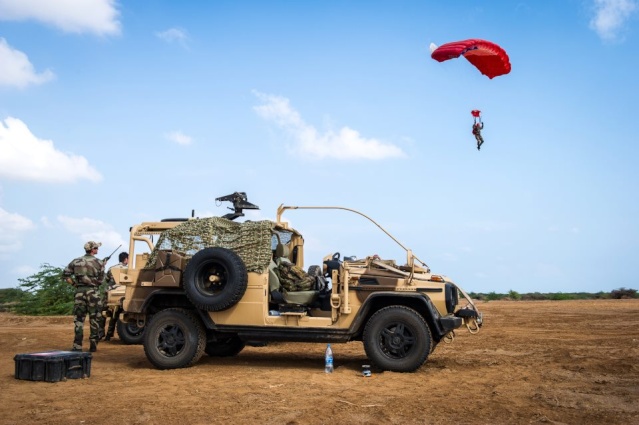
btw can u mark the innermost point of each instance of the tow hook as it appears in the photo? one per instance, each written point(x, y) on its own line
point(449, 337)
point(473, 323)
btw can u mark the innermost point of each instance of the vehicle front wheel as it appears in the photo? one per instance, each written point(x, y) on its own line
point(174, 338)
point(129, 332)
point(398, 339)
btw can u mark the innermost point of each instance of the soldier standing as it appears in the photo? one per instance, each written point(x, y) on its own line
point(85, 274)
point(110, 284)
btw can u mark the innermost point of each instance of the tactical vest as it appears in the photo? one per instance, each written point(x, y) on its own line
point(87, 270)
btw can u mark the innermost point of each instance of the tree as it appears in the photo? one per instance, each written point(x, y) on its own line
point(623, 293)
point(10, 297)
point(47, 293)
point(514, 295)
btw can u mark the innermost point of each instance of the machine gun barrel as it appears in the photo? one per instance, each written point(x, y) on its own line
point(240, 202)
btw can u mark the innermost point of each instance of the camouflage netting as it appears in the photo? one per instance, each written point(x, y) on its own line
point(251, 240)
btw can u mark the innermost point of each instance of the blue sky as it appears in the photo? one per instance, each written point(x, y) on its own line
point(113, 113)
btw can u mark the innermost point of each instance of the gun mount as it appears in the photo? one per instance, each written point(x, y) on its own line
point(240, 203)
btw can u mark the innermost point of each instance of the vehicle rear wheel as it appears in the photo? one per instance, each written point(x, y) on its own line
point(225, 347)
point(174, 338)
point(398, 339)
point(215, 279)
point(129, 332)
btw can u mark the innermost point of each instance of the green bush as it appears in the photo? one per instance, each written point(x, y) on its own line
point(10, 297)
point(560, 296)
point(534, 296)
point(621, 293)
point(492, 296)
point(514, 295)
point(45, 293)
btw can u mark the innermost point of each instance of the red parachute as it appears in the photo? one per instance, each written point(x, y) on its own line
point(489, 58)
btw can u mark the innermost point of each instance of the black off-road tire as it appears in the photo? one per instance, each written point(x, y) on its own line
point(398, 339)
point(225, 347)
point(129, 332)
point(229, 274)
point(174, 338)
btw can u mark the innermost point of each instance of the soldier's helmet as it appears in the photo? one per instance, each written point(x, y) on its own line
point(91, 244)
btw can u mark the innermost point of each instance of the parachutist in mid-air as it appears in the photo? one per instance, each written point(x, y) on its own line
point(477, 128)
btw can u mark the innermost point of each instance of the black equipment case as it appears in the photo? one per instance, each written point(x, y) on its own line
point(53, 366)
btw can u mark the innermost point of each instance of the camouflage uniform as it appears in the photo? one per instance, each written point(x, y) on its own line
point(477, 127)
point(109, 284)
point(293, 278)
point(87, 272)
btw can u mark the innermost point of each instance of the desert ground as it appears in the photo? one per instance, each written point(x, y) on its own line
point(551, 362)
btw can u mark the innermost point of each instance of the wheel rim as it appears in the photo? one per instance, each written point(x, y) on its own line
point(133, 329)
point(396, 340)
point(171, 340)
point(211, 278)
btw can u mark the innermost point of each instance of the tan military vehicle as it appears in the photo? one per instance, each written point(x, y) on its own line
point(128, 332)
point(210, 285)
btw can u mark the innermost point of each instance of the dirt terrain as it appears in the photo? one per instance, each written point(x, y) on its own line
point(556, 362)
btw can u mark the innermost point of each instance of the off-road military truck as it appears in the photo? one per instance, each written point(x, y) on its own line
point(210, 285)
point(128, 332)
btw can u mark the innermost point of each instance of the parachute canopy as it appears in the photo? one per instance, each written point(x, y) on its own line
point(489, 58)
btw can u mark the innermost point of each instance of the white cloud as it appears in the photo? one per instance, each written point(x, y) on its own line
point(24, 271)
point(25, 157)
point(12, 227)
point(76, 16)
point(171, 35)
point(89, 229)
point(611, 16)
point(179, 138)
point(344, 144)
point(16, 70)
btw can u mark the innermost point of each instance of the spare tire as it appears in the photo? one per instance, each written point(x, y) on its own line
point(215, 279)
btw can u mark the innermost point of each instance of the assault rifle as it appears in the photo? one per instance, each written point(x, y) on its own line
point(240, 203)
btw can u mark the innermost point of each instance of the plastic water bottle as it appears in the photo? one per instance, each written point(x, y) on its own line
point(328, 359)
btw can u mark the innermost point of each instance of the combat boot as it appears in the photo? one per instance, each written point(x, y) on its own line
point(94, 346)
